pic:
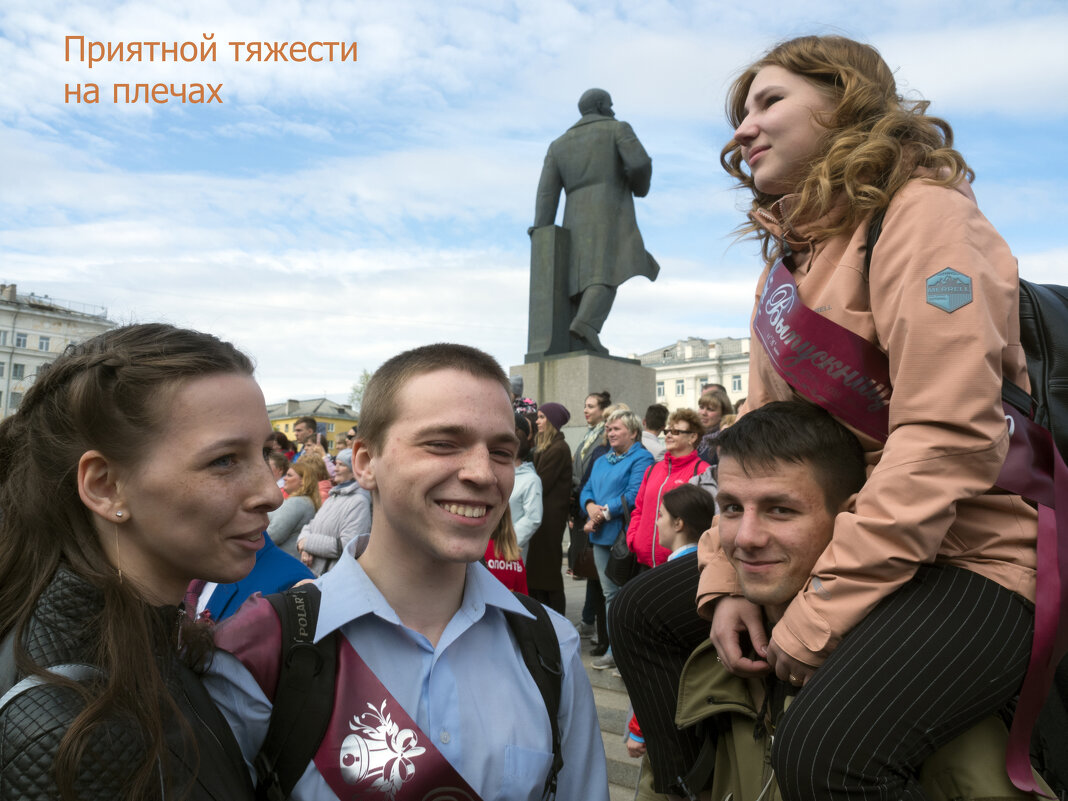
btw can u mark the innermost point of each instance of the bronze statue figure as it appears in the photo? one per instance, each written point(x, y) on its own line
point(601, 165)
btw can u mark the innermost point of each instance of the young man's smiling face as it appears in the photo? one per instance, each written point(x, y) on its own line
point(444, 473)
point(774, 524)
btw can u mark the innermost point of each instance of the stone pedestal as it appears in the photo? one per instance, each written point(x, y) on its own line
point(550, 307)
point(569, 378)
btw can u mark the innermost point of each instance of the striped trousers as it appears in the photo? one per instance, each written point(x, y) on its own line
point(933, 658)
point(653, 627)
point(942, 652)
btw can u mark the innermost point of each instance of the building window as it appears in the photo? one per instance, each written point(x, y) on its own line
point(16, 399)
point(659, 389)
point(3, 338)
point(2, 365)
point(330, 427)
point(680, 386)
point(44, 343)
point(736, 383)
point(18, 371)
point(286, 427)
point(20, 340)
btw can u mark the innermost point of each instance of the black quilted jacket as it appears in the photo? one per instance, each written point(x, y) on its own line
point(32, 725)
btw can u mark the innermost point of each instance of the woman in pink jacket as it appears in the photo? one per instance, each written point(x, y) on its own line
point(917, 618)
point(679, 465)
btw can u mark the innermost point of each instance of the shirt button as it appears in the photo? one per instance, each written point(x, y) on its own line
point(445, 737)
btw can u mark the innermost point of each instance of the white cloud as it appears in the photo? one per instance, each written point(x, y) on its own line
point(328, 215)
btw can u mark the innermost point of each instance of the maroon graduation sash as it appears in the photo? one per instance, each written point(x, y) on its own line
point(828, 364)
point(373, 749)
point(850, 378)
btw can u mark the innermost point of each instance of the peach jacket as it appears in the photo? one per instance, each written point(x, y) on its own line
point(927, 497)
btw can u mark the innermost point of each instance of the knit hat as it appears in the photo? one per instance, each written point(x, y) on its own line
point(556, 414)
point(345, 457)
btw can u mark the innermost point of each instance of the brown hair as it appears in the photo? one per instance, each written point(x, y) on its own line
point(604, 399)
point(691, 418)
point(310, 478)
point(797, 432)
point(380, 397)
point(543, 439)
point(875, 138)
point(109, 394)
point(505, 544)
point(279, 460)
point(715, 399)
point(694, 506)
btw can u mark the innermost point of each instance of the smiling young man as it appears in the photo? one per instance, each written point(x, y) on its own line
point(425, 644)
point(785, 471)
point(783, 477)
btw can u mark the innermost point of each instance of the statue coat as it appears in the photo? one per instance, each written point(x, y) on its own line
point(601, 165)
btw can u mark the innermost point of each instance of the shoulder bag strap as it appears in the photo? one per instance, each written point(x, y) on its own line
point(540, 650)
point(303, 699)
point(75, 671)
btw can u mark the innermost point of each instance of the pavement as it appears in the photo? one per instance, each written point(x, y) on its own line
point(613, 704)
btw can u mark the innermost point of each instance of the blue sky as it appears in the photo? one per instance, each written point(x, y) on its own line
point(328, 215)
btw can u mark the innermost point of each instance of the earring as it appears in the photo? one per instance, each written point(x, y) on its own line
point(118, 513)
point(118, 559)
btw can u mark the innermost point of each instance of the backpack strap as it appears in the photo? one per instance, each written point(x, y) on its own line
point(540, 650)
point(691, 785)
point(304, 698)
point(8, 673)
point(875, 228)
point(75, 671)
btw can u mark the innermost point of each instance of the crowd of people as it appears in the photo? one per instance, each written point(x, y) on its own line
point(813, 607)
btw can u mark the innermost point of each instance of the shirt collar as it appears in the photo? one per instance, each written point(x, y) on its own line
point(352, 594)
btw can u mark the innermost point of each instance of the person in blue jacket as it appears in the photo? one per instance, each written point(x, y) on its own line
point(609, 495)
point(274, 571)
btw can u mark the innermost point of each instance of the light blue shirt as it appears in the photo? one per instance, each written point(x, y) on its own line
point(472, 694)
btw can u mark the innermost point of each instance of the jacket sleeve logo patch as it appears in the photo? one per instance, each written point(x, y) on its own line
point(949, 290)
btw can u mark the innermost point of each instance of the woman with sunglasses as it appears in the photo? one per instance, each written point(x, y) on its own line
point(680, 463)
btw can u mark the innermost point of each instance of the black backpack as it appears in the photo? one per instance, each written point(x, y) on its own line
point(305, 695)
point(1044, 336)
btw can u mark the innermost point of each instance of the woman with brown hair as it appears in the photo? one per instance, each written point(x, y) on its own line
point(303, 500)
point(932, 568)
point(313, 457)
point(712, 407)
point(552, 462)
point(134, 465)
point(503, 558)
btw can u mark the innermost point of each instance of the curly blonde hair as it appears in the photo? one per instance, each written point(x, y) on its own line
point(875, 138)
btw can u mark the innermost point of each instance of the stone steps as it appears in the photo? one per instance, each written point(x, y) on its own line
point(613, 707)
point(613, 712)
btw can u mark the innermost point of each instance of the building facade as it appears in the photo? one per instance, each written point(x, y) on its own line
point(332, 418)
point(684, 367)
point(34, 330)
